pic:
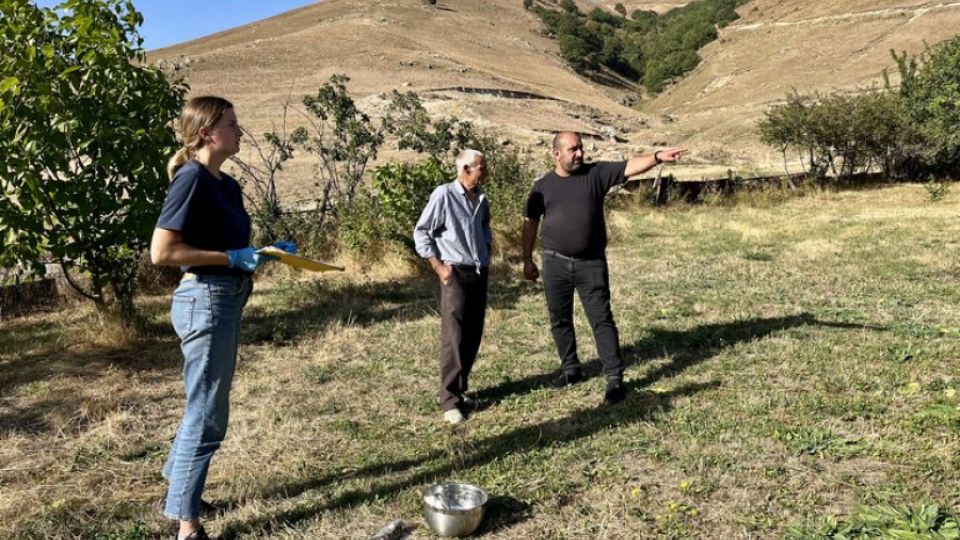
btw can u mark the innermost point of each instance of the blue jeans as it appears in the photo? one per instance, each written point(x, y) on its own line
point(591, 279)
point(206, 315)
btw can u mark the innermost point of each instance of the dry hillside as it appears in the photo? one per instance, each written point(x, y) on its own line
point(461, 55)
point(807, 45)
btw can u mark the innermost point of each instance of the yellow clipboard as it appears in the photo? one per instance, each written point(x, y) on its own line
point(298, 261)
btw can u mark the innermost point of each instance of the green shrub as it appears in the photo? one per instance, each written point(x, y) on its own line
point(85, 132)
point(936, 191)
point(569, 6)
point(361, 228)
point(883, 521)
point(605, 17)
point(930, 89)
point(387, 211)
point(842, 134)
point(510, 175)
point(402, 192)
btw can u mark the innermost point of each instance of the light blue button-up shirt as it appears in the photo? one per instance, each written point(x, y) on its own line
point(453, 229)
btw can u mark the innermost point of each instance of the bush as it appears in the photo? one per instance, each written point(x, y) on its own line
point(509, 178)
point(258, 175)
point(85, 131)
point(930, 89)
point(883, 521)
point(842, 134)
point(361, 231)
point(569, 6)
point(403, 191)
point(385, 213)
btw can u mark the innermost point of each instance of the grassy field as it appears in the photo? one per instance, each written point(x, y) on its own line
point(787, 363)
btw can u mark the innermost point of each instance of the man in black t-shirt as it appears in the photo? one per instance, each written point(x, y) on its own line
point(569, 199)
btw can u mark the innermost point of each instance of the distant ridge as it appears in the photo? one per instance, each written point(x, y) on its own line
point(487, 61)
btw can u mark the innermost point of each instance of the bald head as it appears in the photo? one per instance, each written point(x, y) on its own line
point(567, 152)
point(564, 138)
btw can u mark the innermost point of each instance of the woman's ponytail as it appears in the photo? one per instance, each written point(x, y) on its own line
point(177, 161)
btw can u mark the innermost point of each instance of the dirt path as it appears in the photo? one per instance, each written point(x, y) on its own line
point(913, 11)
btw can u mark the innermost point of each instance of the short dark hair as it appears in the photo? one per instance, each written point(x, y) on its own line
point(558, 136)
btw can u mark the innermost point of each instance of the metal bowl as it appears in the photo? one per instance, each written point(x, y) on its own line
point(454, 509)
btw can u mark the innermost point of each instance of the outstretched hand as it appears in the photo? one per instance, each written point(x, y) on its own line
point(671, 155)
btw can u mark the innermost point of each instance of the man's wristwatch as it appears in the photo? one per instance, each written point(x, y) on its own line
point(656, 157)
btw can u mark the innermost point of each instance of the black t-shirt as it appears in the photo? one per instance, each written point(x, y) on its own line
point(572, 208)
point(208, 212)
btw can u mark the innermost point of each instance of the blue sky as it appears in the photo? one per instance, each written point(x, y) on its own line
point(167, 22)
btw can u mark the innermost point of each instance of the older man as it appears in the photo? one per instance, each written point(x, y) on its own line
point(453, 233)
point(574, 235)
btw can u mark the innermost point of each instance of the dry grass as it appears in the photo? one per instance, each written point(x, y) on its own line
point(786, 362)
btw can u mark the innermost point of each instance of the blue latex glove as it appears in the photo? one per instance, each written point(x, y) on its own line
point(286, 245)
point(247, 259)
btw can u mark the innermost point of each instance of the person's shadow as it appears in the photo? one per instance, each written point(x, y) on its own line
point(313, 306)
point(685, 348)
point(464, 455)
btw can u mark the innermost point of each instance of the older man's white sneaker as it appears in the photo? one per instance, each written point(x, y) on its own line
point(454, 416)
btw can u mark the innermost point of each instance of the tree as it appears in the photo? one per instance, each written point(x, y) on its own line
point(930, 89)
point(569, 6)
point(620, 9)
point(343, 139)
point(85, 133)
point(407, 119)
point(859, 133)
point(258, 175)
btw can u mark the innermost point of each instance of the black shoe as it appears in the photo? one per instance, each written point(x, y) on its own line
point(568, 378)
point(198, 534)
point(615, 393)
point(209, 509)
point(467, 403)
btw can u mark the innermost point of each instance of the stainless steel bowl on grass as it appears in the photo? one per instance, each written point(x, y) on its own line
point(454, 509)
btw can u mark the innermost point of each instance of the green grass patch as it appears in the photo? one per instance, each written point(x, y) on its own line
point(789, 366)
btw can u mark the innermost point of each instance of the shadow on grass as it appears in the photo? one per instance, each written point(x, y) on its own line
point(38, 350)
point(58, 360)
point(437, 467)
point(686, 347)
point(691, 347)
point(316, 305)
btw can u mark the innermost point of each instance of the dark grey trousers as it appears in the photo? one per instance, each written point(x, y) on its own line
point(463, 307)
point(591, 280)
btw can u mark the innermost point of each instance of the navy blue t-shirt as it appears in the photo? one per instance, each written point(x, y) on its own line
point(208, 212)
point(572, 208)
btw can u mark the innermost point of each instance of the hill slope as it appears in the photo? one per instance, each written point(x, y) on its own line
point(807, 45)
point(487, 61)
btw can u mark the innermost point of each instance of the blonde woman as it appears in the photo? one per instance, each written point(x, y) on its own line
point(204, 229)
